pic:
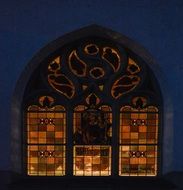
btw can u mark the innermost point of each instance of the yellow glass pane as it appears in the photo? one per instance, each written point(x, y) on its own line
point(134, 115)
point(143, 116)
point(92, 160)
point(142, 148)
point(42, 115)
point(50, 115)
point(58, 115)
point(42, 141)
point(33, 160)
point(124, 148)
point(32, 115)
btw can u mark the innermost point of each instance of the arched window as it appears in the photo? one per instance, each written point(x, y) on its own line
point(46, 138)
point(92, 107)
point(138, 139)
point(92, 137)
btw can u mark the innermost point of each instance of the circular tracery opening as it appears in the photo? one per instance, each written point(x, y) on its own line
point(91, 49)
point(97, 73)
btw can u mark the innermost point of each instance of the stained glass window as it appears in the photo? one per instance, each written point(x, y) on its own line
point(92, 160)
point(138, 140)
point(92, 140)
point(113, 104)
point(46, 140)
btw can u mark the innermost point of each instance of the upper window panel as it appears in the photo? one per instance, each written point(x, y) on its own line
point(93, 64)
point(45, 124)
point(139, 124)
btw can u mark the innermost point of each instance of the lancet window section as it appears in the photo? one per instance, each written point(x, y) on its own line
point(92, 134)
point(46, 138)
point(138, 150)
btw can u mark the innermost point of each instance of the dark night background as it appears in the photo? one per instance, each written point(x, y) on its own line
point(28, 25)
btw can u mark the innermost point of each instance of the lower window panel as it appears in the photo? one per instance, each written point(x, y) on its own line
point(92, 160)
point(46, 160)
point(138, 160)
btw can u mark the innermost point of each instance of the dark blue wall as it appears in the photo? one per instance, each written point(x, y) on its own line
point(27, 26)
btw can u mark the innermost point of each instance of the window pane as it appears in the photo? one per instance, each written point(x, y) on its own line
point(92, 135)
point(46, 160)
point(92, 160)
point(92, 126)
point(139, 126)
point(138, 141)
point(138, 160)
point(46, 138)
point(46, 127)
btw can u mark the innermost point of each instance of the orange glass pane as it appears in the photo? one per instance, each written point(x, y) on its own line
point(33, 134)
point(59, 134)
point(142, 129)
point(50, 128)
point(125, 129)
point(126, 136)
point(142, 116)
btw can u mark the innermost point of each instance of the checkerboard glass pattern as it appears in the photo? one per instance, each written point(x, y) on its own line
point(46, 141)
point(138, 138)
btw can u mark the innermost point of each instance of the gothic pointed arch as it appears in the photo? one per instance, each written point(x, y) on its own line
point(89, 104)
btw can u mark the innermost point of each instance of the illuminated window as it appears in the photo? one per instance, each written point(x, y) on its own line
point(46, 140)
point(138, 139)
point(92, 139)
point(113, 106)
